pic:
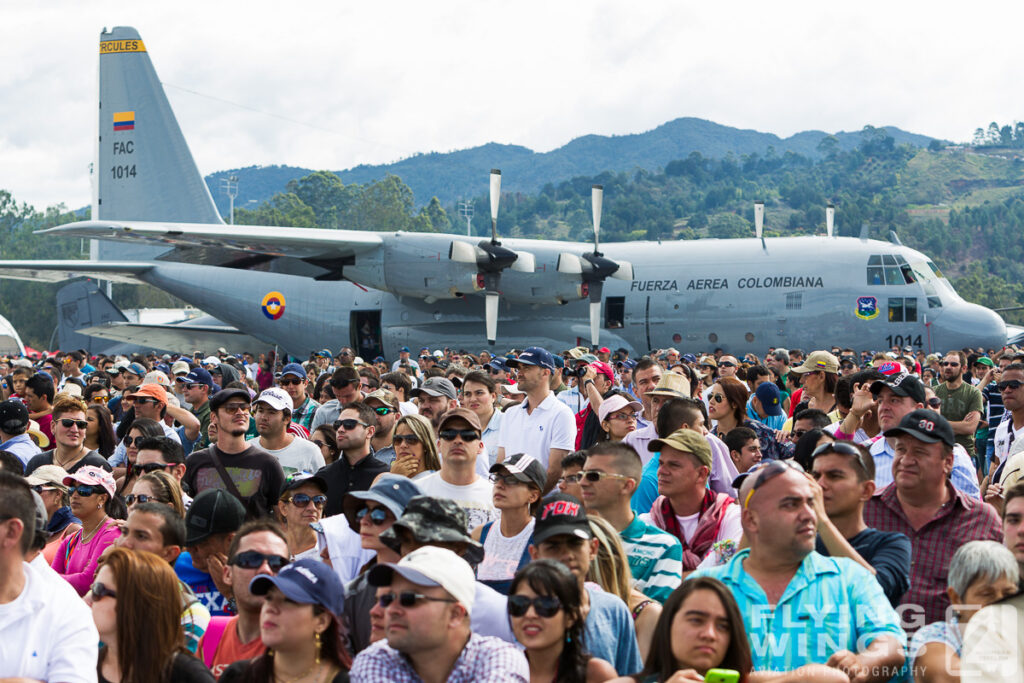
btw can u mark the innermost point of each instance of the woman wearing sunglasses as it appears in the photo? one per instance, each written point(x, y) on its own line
point(700, 628)
point(325, 438)
point(99, 435)
point(415, 447)
point(156, 487)
point(142, 428)
point(300, 624)
point(92, 502)
point(544, 610)
point(727, 403)
point(301, 506)
point(135, 588)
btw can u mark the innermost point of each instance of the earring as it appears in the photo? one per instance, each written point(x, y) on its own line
point(568, 637)
point(316, 639)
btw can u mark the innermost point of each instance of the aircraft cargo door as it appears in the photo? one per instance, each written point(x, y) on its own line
point(364, 327)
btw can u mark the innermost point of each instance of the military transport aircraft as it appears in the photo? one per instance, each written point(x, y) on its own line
point(303, 289)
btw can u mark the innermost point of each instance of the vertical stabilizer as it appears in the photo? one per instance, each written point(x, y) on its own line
point(144, 169)
point(80, 305)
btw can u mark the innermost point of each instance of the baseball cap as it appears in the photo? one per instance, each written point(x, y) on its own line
point(524, 468)
point(393, 491)
point(818, 361)
point(673, 385)
point(307, 582)
point(13, 416)
point(225, 395)
point(135, 369)
point(52, 475)
point(689, 358)
point(460, 413)
point(709, 361)
point(295, 370)
point(325, 353)
point(92, 476)
point(384, 396)
point(404, 349)
point(768, 394)
point(210, 360)
point(889, 367)
point(430, 566)
point(984, 360)
point(275, 397)
point(157, 377)
point(152, 391)
point(924, 425)
point(435, 520)
point(379, 359)
point(498, 363)
point(560, 514)
point(213, 511)
point(604, 369)
point(300, 478)
point(685, 440)
point(616, 402)
point(533, 355)
point(197, 376)
point(436, 386)
point(901, 385)
point(180, 368)
point(627, 364)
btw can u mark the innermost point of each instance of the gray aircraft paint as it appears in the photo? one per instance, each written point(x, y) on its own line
point(741, 295)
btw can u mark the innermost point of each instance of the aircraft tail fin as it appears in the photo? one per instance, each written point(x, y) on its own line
point(81, 304)
point(144, 169)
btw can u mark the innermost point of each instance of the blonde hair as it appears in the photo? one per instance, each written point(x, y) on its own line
point(609, 568)
point(168, 489)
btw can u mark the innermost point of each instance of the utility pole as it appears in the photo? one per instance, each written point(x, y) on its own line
point(229, 186)
point(466, 211)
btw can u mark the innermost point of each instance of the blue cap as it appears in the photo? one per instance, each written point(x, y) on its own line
point(393, 491)
point(559, 361)
point(164, 368)
point(498, 364)
point(197, 376)
point(689, 358)
point(294, 369)
point(307, 582)
point(136, 369)
point(627, 364)
point(325, 354)
point(534, 355)
point(379, 359)
point(404, 349)
point(768, 394)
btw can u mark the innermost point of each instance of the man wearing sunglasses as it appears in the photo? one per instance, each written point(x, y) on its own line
point(431, 592)
point(69, 451)
point(385, 406)
point(1009, 438)
point(923, 504)
point(244, 470)
point(272, 410)
point(779, 579)
point(293, 380)
point(962, 403)
point(257, 549)
point(460, 445)
point(356, 468)
point(197, 387)
point(47, 630)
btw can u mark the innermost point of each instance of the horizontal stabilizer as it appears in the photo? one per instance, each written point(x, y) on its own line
point(175, 337)
point(59, 271)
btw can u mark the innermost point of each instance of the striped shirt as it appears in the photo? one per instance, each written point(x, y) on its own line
point(655, 558)
point(830, 604)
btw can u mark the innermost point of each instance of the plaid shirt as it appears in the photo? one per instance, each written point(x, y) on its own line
point(303, 415)
point(960, 520)
point(483, 660)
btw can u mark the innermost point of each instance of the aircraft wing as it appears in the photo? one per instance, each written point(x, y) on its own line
point(299, 243)
point(59, 271)
point(174, 336)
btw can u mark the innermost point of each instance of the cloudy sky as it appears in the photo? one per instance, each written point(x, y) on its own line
point(335, 84)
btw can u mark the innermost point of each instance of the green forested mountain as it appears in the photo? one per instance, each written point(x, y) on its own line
point(461, 174)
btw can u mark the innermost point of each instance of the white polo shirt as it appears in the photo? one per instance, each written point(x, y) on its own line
point(550, 425)
point(47, 632)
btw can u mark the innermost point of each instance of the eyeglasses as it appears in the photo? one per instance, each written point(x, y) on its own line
point(466, 435)
point(1011, 384)
point(797, 433)
point(136, 441)
point(252, 559)
point(842, 449)
point(772, 469)
point(100, 591)
point(383, 410)
point(505, 479)
point(85, 490)
point(624, 417)
point(132, 498)
point(68, 423)
point(232, 408)
point(194, 386)
point(100, 399)
point(596, 475)
point(143, 400)
point(408, 599)
point(377, 516)
point(718, 398)
point(726, 364)
point(39, 488)
point(349, 424)
point(946, 364)
point(319, 444)
point(571, 478)
point(405, 438)
point(287, 381)
point(150, 466)
point(301, 500)
point(546, 606)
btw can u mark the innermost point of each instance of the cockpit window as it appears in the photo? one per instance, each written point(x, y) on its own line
point(890, 269)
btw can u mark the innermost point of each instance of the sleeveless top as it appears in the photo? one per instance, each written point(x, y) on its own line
point(503, 556)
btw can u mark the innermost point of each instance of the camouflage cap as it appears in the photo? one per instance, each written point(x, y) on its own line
point(434, 520)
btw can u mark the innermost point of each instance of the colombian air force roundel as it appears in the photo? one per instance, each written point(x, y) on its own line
point(273, 305)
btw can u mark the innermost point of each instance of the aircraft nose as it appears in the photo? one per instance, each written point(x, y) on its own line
point(968, 325)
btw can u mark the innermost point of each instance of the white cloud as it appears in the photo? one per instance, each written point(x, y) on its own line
point(391, 79)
